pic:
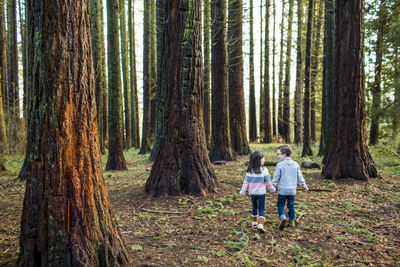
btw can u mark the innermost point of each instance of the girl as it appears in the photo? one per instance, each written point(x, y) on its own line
point(257, 178)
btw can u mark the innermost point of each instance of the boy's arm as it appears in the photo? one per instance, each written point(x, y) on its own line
point(244, 186)
point(300, 179)
point(267, 179)
point(277, 176)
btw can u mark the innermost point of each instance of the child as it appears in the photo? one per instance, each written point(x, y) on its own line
point(257, 178)
point(287, 175)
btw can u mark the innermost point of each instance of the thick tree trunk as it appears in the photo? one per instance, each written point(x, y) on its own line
point(376, 89)
point(237, 115)
point(153, 71)
point(133, 78)
point(315, 65)
point(286, 86)
point(328, 82)
point(125, 76)
point(182, 165)
point(13, 84)
point(273, 74)
point(299, 76)
point(221, 148)
point(252, 100)
point(67, 219)
point(97, 31)
point(116, 159)
point(146, 143)
point(267, 101)
point(280, 93)
point(207, 70)
point(3, 58)
point(307, 103)
point(348, 156)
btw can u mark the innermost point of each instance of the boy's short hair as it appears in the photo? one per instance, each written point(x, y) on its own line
point(285, 149)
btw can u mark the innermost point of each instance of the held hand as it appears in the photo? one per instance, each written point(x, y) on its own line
point(241, 195)
point(306, 189)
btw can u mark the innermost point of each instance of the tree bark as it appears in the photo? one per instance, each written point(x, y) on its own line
point(237, 116)
point(267, 101)
point(22, 7)
point(13, 84)
point(153, 71)
point(349, 156)
point(133, 78)
point(3, 58)
point(182, 165)
point(262, 92)
point(252, 101)
point(280, 93)
point(221, 148)
point(328, 82)
point(396, 119)
point(207, 71)
point(3, 135)
point(67, 219)
point(273, 74)
point(286, 86)
point(116, 159)
point(299, 76)
point(307, 103)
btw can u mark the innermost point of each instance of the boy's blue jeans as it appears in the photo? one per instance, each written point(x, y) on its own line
point(258, 202)
point(290, 204)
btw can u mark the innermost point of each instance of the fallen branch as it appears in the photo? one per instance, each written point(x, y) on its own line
point(320, 190)
point(163, 211)
point(298, 219)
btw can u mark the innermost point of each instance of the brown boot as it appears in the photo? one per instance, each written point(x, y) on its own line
point(260, 225)
point(254, 221)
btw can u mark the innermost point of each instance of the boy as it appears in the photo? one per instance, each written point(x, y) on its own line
point(287, 175)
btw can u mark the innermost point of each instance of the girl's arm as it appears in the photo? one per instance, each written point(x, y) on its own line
point(267, 179)
point(244, 186)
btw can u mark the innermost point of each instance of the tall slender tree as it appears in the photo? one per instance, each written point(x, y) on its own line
point(262, 99)
point(3, 57)
point(153, 70)
point(13, 82)
point(273, 73)
point(182, 164)
point(395, 116)
point(280, 88)
point(286, 85)
point(376, 89)
point(3, 135)
point(237, 115)
point(328, 81)
point(348, 156)
point(125, 75)
point(252, 101)
point(67, 219)
point(307, 101)
point(99, 63)
point(116, 159)
point(133, 78)
point(267, 100)
point(207, 70)
point(299, 76)
point(146, 143)
point(22, 8)
point(221, 148)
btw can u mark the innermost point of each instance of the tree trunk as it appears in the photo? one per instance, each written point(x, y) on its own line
point(286, 85)
point(3, 58)
point(153, 70)
point(146, 144)
point(97, 31)
point(299, 76)
point(273, 74)
point(307, 107)
point(328, 82)
point(221, 148)
point(67, 219)
point(133, 78)
point(252, 101)
point(267, 101)
point(116, 159)
point(125, 76)
point(396, 118)
point(262, 93)
point(207, 71)
point(349, 156)
point(237, 115)
point(280, 93)
point(3, 135)
point(22, 7)
point(376, 89)
point(13, 84)
point(315, 65)
point(182, 165)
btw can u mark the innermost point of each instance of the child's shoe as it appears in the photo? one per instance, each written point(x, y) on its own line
point(260, 225)
point(254, 221)
point(282, 224)
point(291, 224)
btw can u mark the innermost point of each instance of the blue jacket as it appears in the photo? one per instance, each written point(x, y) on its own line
point(287, 175)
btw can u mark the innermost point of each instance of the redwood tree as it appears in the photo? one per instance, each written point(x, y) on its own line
point(266, 94)
point(221, 142)
point(13, 82)
point(3, 57)
point(182, 164)
point(252, 100)
point(207, 70)
point(67, 218)
point(299, 76)
point(348, 156)
point(116, 159)
point(237, 116)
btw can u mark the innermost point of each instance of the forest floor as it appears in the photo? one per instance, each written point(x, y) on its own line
point(351, 223)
